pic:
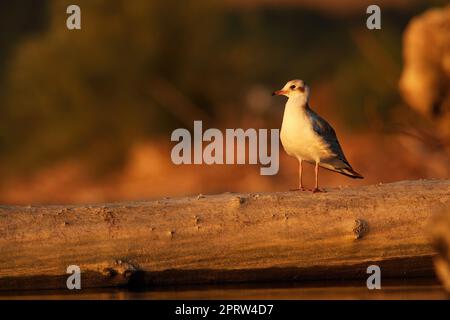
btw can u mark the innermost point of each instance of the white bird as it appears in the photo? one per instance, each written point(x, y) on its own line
point(308, 137)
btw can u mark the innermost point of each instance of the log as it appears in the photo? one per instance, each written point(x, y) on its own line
point(224, 238)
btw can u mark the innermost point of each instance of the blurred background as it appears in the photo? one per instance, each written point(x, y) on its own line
point(86, 116)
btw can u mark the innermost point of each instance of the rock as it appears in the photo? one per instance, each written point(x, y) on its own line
point(441, 243)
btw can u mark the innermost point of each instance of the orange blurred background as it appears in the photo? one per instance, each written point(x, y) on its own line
point(86, 116)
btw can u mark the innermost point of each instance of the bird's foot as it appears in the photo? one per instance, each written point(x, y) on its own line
point(298, 189)
point(317, 190)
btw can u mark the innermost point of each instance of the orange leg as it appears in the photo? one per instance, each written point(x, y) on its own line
point(300, 180)
point(316, 187)
point(300, 172)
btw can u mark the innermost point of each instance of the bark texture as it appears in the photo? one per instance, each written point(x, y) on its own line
point(224, 238)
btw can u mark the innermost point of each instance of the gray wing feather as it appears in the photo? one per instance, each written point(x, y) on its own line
point(324, 129)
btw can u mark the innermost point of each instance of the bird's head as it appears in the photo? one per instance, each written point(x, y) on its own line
point(294, 88)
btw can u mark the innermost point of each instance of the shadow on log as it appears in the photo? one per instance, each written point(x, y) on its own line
point(224, 238)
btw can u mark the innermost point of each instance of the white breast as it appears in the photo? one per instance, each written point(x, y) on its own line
point(297, 135)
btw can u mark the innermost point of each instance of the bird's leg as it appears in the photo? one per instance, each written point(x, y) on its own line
point(300, 180)
point(300, 172)
point(316, 187)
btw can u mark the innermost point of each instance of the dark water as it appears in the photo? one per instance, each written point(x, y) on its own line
point(418, 289)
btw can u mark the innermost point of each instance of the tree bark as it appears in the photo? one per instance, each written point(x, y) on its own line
point(224, 238)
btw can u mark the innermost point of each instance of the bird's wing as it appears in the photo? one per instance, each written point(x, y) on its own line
point(326, 132)
point(336, 161)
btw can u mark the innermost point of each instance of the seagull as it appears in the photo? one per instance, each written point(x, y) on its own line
point(308, 137)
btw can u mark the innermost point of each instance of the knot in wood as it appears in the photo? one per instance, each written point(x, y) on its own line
point(360, 228)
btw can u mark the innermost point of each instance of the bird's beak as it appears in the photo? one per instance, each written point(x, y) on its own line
point(279, 93)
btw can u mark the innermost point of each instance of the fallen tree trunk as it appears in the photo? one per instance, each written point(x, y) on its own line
point(224, 238)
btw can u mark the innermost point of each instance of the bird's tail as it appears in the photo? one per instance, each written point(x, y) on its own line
point(346, 170)
point(349, 172)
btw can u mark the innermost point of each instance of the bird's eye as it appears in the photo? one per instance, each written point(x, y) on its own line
point(292, 87)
